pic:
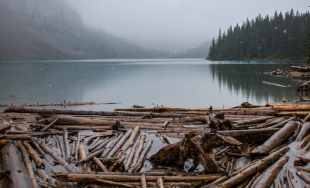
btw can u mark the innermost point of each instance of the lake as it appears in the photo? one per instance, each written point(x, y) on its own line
point(169, 82)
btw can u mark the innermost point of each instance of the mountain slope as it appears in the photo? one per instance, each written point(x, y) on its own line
point(197, 52)
point(49, 29)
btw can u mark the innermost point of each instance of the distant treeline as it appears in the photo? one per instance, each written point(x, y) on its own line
point(282, 36)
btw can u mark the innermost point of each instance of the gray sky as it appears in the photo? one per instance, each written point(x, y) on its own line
point(175, 24)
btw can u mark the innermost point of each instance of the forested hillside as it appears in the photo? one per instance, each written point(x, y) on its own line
point(282, 36)
point(49, 29)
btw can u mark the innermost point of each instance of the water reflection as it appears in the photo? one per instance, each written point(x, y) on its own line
point(185, 83)
point(247, 80)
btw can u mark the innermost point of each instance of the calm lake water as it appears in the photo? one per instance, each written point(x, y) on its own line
point(172, 82)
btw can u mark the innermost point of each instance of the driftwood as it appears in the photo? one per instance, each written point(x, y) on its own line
point(269, 176)
point(80, 112)
point(305, 130)
point(28, 164)
point(12, 163)
point(33, 154)
point(131, 139)
point(276, 139)
point(160, 182)
point(120, 143)
point(131, 178)
point(255, 168)
point(101, 165)
point(109, 149)
point(49, 125)
point(143, 181)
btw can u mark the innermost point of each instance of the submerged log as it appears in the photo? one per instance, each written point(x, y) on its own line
point(276, 139)
point(175, 155)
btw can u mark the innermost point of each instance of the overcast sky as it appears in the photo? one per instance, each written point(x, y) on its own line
point(175, 24)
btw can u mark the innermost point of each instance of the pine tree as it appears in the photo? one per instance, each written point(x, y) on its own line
point(280, 36)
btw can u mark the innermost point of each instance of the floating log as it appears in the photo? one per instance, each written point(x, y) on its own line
point(28, 164)
point(77, 177)
point(33, 154)
point(101, 165)
point(143, 181)
point(237, 133)
point(66, 145)
point(255, 168)
point(160, 182)
point(137, 153)
point(277, 138)
point(4, 127)
point(12, 163)
point(140, 161)
point(81, 112)
point(131, 138)
point(271, 173)
point(305, 130)
point(120, 143)
point(291, 107)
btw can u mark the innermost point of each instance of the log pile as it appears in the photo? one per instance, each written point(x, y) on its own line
point(245, 146)
point(300, 72)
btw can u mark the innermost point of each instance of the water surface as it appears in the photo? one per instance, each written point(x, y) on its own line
point(171, 82)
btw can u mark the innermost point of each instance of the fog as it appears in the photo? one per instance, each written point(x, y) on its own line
point(175, 24)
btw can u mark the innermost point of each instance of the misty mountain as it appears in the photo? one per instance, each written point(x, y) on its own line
point(197, 52)
point(49, 29)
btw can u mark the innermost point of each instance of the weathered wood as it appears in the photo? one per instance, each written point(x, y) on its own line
point(305, 130)
point(81, 112)
point(143, 181)
point(271, 173)
point(236, 133)
point(253, 121)
point(140, 161)
point(100, 164)
point(131, 154)
point(303, 177)
point(66, 145)
point(131, 139)
point(119, 144)
point(12, 162)
point(255, 168)
point(75, 177)
point(4, 127)
point(77, 146)
point(137, 153)
point(33, 154)
point(53, 154)
point(160, 182)
point(277, 138)
point(291, 107)
point(49, 125)
point(28, 164)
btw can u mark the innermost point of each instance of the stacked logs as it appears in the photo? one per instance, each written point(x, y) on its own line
point(246, 146)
